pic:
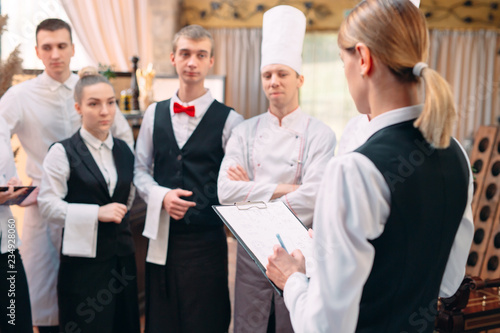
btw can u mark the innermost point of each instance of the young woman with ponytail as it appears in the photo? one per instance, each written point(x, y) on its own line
point(393, 222)
point(87, 189)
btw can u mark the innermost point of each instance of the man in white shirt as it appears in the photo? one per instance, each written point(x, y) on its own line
point(41, 111)
point(178, 154)
point(279, 155)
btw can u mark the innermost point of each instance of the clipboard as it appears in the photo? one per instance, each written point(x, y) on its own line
point(256, 225)
point(19, 199)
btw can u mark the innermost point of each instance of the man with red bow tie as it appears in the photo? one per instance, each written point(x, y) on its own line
point(178, 155)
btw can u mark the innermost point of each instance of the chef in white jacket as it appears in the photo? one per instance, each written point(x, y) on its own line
point(279, 155)
point(41, 111)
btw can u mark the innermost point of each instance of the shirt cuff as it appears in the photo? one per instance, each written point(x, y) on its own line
point(296, 284)
point(261, 192)
point(155, 205)
point(80, 231)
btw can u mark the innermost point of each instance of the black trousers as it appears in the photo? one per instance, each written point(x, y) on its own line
point(15, 314)
point(98, 296)
point(190, 293)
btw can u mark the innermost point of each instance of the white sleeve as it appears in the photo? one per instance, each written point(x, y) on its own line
point(79, 220)
point(352, 206)
point(11, 110)
point(146, 186)
point(231, 191)
point(302, 200)
point(143, 165)
point(121, 129)
point(233, 120)
point(455, 267)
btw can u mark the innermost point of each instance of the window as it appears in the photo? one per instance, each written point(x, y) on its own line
point(24, 16)
point(325, 94)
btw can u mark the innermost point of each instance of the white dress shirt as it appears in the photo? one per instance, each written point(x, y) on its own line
point(80, 221)
point(157, 220)
point(352, 208)
point(41, 111)
point(7, 171)
point(354, 134)
point(294, 153)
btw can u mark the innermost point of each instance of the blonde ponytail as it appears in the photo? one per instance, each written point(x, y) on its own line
point(438, 117)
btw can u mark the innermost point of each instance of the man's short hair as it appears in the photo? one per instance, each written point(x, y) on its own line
point(53, 24)
point(194, 32)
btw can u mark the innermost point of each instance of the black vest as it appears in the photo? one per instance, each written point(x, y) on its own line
point(86, 185)
point(428, 198)
point(195, 167)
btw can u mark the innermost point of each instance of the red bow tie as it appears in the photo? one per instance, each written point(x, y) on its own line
point(188, 109)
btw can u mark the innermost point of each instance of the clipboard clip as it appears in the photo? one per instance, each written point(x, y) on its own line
point(245, 205)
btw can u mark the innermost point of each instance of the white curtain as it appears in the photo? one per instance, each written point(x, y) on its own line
point(237, 56)
point(467, 61)
point(112, 31)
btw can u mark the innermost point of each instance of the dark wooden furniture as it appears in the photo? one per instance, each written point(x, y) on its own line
point(475, 307)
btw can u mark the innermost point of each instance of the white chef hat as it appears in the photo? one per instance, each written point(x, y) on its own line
point(283, 30)
point(416, 2)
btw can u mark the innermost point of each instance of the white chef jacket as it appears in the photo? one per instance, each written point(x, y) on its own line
point(157, 220)
point(80, 221)
point(7, 171)
point(294, 153)
point(41, 111)
point(352, 208)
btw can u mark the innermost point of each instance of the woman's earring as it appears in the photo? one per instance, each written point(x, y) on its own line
point(362, 75)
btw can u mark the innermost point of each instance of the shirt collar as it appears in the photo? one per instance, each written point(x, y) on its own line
point(290, 121)
point(53, 85)
point(95, 142)
point(393, 117)
point(201, 104)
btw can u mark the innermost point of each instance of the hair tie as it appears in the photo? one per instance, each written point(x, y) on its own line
point(87, 71)
point(418, 68)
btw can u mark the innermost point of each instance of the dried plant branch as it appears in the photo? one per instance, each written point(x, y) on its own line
point(3, 22)
point(8, 69)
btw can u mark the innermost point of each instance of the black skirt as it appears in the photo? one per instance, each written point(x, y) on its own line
point(98, 296)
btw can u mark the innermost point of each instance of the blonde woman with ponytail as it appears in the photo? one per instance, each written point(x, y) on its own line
point(393, 222)
point(87, 190)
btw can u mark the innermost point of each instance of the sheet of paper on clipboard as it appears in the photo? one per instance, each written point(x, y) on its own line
point(256, 224)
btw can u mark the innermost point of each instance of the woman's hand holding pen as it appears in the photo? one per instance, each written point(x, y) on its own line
point(281, 265)
point(113, 212)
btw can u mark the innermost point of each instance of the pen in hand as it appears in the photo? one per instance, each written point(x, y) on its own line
point(281, 242)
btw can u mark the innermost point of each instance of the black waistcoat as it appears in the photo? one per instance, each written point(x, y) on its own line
point(428, 199)
point(86, 185)
point(195, 167)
